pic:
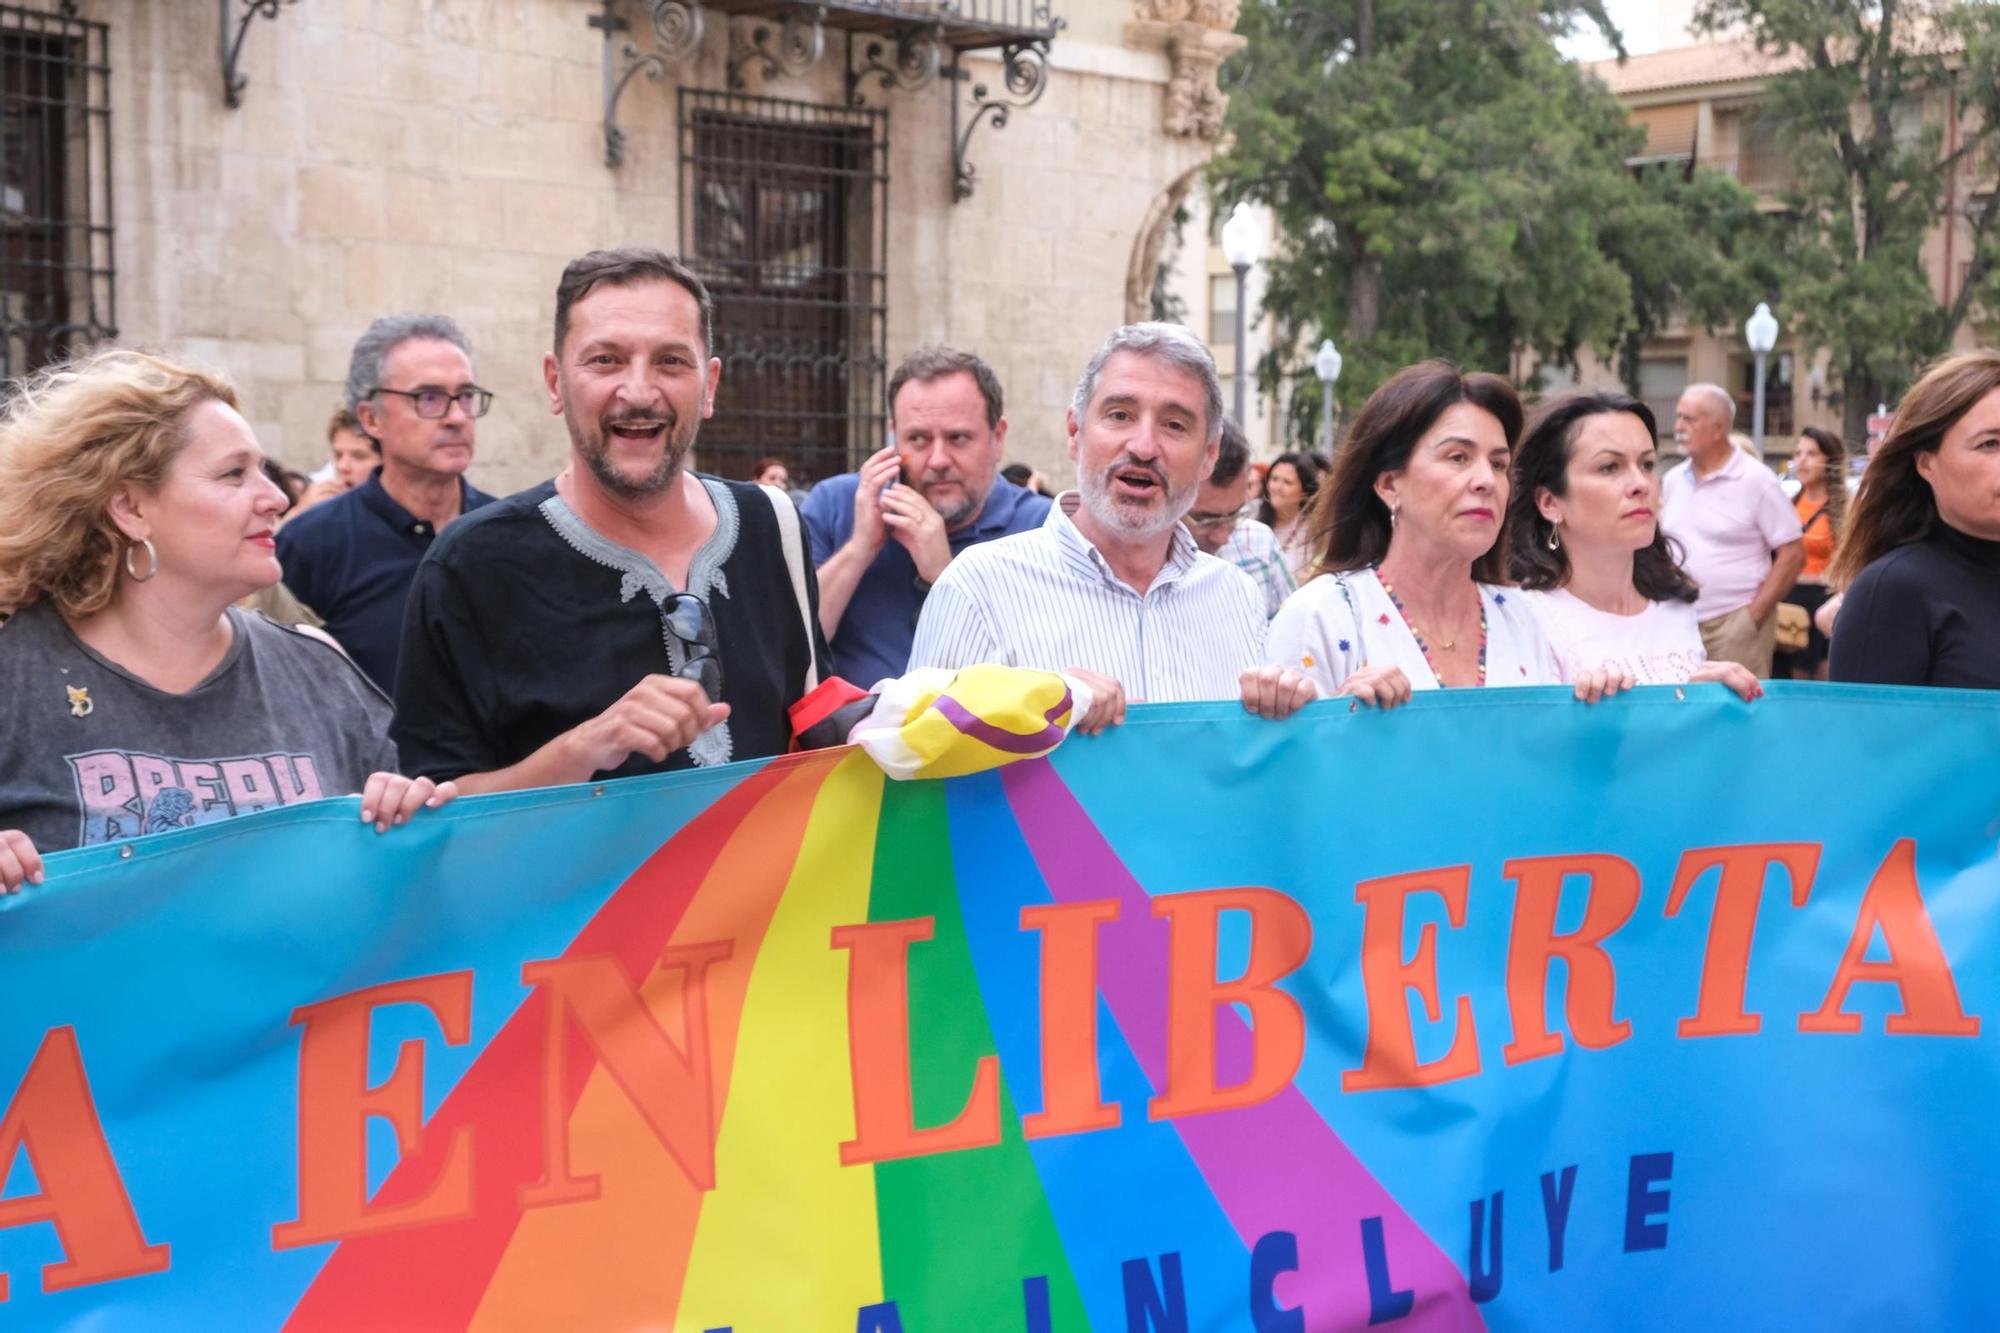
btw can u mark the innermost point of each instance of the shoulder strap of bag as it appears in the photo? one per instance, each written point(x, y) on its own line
point(793, 540)
point(1817, 515)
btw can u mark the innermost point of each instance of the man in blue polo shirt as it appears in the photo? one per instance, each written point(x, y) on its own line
point(883, 535)
point(351, 559)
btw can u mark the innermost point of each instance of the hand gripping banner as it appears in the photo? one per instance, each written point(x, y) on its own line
point(1494, 1011)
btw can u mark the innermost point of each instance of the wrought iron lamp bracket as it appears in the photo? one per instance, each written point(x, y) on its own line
point(801, 41)
point(1025, 76)
point(676, 25)
point(918, 57)
point(229, 46)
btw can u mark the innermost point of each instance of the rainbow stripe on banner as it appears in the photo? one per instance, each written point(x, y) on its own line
point(1497, 1011)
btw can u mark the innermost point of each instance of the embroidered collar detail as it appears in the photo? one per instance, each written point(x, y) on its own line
point(637, 573)
point(706, 578)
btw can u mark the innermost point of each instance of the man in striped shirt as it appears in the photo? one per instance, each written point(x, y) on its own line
point(1112, 588)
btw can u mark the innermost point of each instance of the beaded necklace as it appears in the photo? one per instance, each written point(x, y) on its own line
point(1417, 634)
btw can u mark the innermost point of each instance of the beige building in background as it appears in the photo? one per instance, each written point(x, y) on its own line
point(1703, 108)
point(994, 175)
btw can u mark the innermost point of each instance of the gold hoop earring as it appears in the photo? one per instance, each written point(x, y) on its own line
point(152, 561)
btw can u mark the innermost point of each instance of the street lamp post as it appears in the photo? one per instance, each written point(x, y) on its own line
point(1242, 243)
point(1760, 331)
point(1327, 363)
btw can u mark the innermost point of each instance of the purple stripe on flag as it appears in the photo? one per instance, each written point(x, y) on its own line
point(1000, 738)
point(1276, 1166)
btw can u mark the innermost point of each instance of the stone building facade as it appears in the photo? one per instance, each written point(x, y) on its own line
point(848, 197)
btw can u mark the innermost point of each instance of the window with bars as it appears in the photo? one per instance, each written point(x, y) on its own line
point(1222, 314)
point(1661, 381)
point(1778, 373)
point(56, 272)
point(1763, 157)
point(784, 213)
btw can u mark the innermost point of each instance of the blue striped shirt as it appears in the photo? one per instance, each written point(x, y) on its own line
point(1253, 548)
point(1047, 599)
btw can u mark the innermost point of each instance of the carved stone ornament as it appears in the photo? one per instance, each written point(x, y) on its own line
point(1195, 103)
point(1219, 15)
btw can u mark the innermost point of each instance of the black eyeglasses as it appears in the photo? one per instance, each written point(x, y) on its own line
point(434, 404)
point(688, 619)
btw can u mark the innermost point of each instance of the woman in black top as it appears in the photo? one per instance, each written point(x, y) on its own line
point(1921, 558)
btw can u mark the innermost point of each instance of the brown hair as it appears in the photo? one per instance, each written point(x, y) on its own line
point(343, 419)
point(1542, 463)
point(1835, 451)
point(1307, 469)
point(1350, 526)
point(1896, 506)
point(934, 363)
point(70, 438)
point(623, 268)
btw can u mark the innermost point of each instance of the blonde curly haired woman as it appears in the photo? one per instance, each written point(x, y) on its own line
point(138, 698)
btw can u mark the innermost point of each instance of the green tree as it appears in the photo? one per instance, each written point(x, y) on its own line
point(1447, 184)
point(1888, 112)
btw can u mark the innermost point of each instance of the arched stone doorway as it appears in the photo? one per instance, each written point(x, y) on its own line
point(1151, 243)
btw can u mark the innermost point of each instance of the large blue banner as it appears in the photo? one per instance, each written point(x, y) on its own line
point(1496, 1010)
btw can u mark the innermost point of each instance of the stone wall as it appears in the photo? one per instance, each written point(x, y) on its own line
point(448, 155)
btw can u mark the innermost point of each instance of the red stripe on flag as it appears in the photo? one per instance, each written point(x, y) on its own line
point(435, 1276)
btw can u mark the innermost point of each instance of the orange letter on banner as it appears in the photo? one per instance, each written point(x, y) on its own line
point(673, 1089)
point(1391, 1058)
point(1534, 944)
point(878, 1047)
point(54, 1117)
point(1071, 1098)
point(1280, 939)
point(1739, 892)
point(335, 1103)
point(1916, 962)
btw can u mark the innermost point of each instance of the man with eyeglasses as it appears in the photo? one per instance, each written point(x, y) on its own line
point(1223, 525)
point(351, 559)
point(630, 615)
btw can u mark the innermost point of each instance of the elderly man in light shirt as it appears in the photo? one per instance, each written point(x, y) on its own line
point(1739, 535)
point(1112, 588)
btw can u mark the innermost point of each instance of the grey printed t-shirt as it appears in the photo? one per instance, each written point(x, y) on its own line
point(90, 753)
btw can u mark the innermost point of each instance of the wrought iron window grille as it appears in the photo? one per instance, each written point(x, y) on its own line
point(784, 214)
point(677, 28)
point(800, 42)
point(57, 277)
point(229, 43)
point(889, 43)
point(1024, 74)
point(919, 54)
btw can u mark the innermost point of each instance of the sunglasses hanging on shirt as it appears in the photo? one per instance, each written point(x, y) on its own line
point(688, 619)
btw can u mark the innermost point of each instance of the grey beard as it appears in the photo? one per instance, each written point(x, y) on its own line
point(1096, 496)
point(960, 512)
point(598, 459)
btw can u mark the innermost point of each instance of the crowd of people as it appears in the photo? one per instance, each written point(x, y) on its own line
point(632, 615)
